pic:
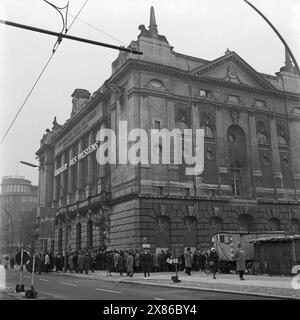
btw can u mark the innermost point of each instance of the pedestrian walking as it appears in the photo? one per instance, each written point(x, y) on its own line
point(87, 262)
point(119, 263)
point(109, 263)
point(80, 262)
point(188, 261)
point(129, 264)
point(213, 259)
point(146, 263)
point(71, 262)
point(47, 262)
point(239, 257)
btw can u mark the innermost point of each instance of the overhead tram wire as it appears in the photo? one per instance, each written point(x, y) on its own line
point(57, 43)
point(98, 29)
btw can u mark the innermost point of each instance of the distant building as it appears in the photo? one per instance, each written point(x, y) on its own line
point(251, 178)
point(18, 211)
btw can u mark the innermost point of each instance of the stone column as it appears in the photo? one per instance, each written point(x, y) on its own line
point(276, 166)
point(254, 152)
point(221, 148)
point(90, 166)
point(63, 177)
point(70, 176)
point(55, 195)
point(101, 171)
point(79, 172)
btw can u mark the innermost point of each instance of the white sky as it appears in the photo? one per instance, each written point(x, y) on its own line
point(199, 28)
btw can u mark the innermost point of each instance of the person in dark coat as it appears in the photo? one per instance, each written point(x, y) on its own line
point(239, 257)
point(213, 259)
point(80, 262)
point(75, 261)
point(109, 263)
point(119, 263)
point(87, 262)
point(188, 261)
point(129, 264)
point(146, 263)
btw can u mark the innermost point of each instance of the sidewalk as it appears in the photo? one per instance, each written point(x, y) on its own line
point(277, 287)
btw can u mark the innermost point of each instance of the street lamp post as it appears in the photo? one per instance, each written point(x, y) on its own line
point(42, 168)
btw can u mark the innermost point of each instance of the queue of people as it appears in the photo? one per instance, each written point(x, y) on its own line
point(118, 261)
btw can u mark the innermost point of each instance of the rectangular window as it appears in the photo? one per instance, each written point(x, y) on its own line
point(159, 190)
point(222, 238)
point(259, 104)
point(157, 125)
point(233, 99)
point(236, 183)
point(204, 93)
point(187, 192)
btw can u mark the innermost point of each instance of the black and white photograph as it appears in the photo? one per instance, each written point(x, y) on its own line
point(149, 154)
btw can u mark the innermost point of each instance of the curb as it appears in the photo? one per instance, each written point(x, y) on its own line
point(184, 287)
point(211, 290)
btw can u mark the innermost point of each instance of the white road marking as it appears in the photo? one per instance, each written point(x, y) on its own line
point(27, 277)
point(108, 290)
point(69, 284)
point(44, 279)
point(158, 299)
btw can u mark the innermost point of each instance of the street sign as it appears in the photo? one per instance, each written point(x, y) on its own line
point(146, 245)
point(25, 257)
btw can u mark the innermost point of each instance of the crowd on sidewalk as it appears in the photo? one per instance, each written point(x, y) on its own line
point(88, 260)
point(119, 261)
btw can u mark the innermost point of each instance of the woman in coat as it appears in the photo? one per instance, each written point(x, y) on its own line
point(71, 262)
point(109, 262)
point(120, 263)
point(129, 265)
point(80, 262)
point(239, 257)
point(213, 259)
point(188, 261)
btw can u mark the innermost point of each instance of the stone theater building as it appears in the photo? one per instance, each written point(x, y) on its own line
point(251, 177)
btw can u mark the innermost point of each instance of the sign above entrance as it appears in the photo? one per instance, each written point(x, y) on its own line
point(78, 157)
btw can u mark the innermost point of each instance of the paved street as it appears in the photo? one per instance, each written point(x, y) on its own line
point(60, 286)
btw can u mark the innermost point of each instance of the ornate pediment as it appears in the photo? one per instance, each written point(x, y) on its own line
point(232, 68)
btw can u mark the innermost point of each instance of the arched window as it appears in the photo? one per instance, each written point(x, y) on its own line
point(68, 238)
point(216, 224)
point(295, 224)
point(282, 141)
point(89, 234)
point(274, 224)
point(78, 236)
point(261, 138)
point(246, 222)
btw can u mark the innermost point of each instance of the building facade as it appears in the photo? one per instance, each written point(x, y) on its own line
point(251, 177)
point(18, 210)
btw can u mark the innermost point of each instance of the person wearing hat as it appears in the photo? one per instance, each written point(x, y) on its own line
point(188, 261)
point(239, 257)
point(213, 259)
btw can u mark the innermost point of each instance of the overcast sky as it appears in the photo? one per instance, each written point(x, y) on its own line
point(199, 28)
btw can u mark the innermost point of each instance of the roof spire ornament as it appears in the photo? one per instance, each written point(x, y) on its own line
point(153, 25)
